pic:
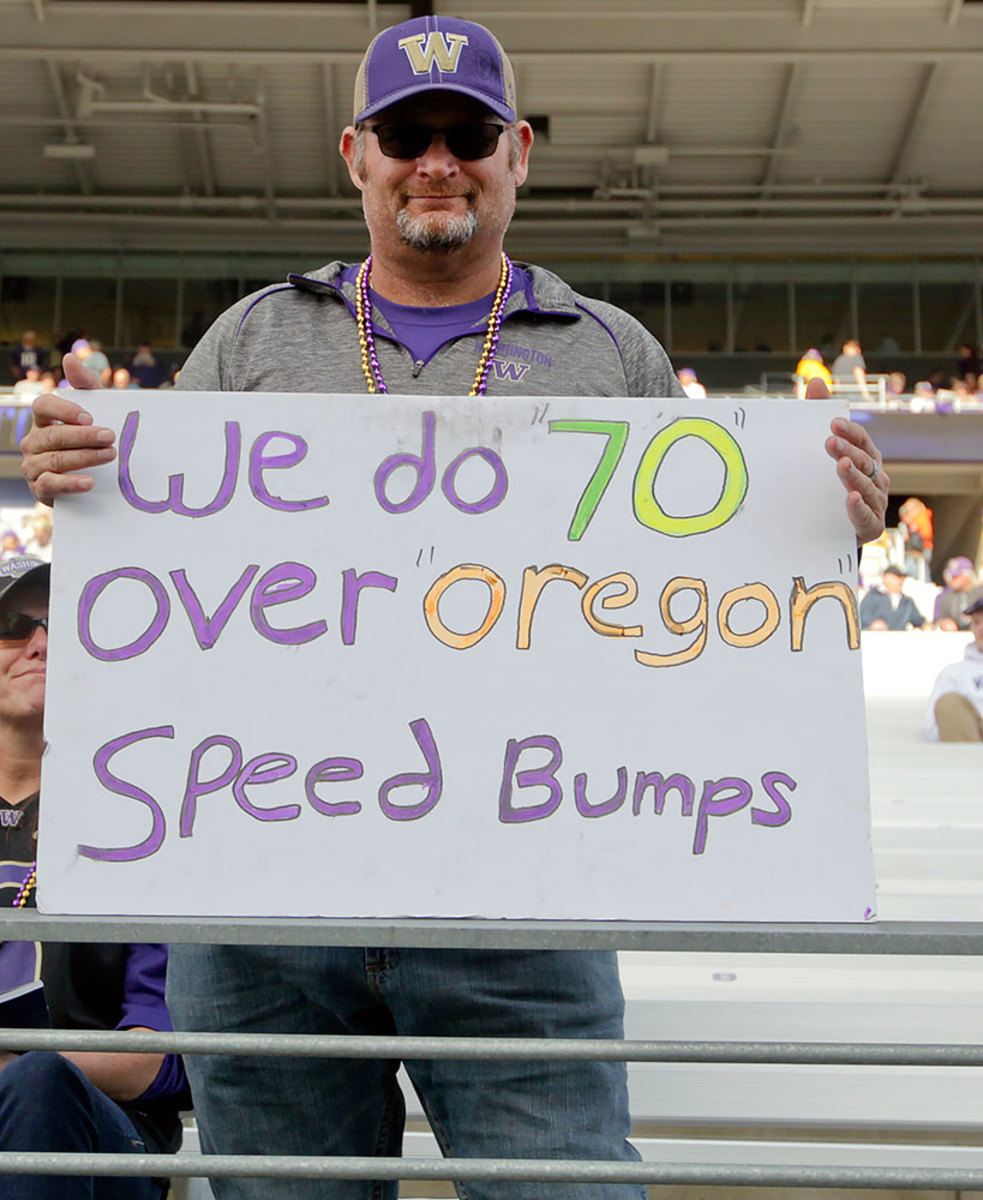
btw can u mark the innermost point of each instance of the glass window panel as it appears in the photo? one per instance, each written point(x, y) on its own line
point(948, 315)
point(699, 317)
point(822, 317)
point(761, 317)
point(886, 315)
point(27, 302)
point(88, 307)
point(149, 313)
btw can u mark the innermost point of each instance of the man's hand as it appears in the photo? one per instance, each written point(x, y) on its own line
point(63, 440)
point(860, 468)
point(861, 471)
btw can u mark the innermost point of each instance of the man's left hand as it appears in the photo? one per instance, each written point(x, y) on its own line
point(860, 468)
point(861, 471)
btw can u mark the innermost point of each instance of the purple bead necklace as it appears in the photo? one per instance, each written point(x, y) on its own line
point(366, 340)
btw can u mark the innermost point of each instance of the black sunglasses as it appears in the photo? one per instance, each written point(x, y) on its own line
point(409, 139)
point(18, 627)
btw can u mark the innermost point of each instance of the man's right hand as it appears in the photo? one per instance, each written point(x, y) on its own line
point(63, 441)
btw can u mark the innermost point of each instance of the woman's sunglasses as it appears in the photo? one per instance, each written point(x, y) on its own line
point(18, 627)
point(409, 139)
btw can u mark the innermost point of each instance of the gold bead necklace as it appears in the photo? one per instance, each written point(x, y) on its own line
point(366, 341)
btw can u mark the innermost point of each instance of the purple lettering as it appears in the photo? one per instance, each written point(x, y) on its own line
point(498, 489)
point(196, 787)
point(112, 783)
point(175, 483)
point(284, 765)
point(432, 779)
point(351, 587)
point(584, 806)
point(710, 806)
point(281, 584)
point(91, 593)
point(333, 770)
point(783, 813)
point(260, 462)
point(531, 777)
point(661, 787)
point(425, 466)
point(207, 629)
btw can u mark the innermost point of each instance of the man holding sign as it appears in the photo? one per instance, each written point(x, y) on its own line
point(438, 308)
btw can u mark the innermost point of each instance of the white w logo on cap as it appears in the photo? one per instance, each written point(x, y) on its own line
point(444, 49)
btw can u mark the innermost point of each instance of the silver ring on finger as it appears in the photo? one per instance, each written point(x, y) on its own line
point(874, 470)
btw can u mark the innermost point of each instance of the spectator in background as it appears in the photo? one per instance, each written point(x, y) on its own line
point(94, 359)
point(76, 1101)
point(922, 397)
point(122, 379)
point(10, 546)
point(31, 385)
point(690, 384)
point(917, 530)
point(897, 384)
point(27, 354)
point(962, 395)
point(39, 529)
point(955, 708)
point(967, 366)
point(850, 368)
point(960, 593)
point(144, 368)
point(811, 366)
point(887, 607)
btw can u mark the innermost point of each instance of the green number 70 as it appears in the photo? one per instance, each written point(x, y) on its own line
point(647, 509)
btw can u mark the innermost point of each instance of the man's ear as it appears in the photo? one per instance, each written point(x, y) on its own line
point(347, 148)
point(525, 135)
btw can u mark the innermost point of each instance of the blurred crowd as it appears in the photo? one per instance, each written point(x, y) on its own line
point(35, 368)
point(940, 391)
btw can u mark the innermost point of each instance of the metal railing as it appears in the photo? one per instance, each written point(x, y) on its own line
point(910, 938)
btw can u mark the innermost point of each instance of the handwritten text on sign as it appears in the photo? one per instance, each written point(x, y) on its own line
point(417, 656)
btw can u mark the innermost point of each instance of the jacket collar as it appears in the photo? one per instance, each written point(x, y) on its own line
point(550, 295)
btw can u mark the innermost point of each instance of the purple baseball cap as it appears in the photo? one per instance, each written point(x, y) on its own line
point(958, 566)
point(16, 571)
point(435, 54)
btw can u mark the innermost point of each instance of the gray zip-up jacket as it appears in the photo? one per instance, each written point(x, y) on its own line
point(301, 336)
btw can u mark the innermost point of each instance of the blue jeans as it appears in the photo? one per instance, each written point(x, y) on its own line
point(46, 1103)
point(354, 1106)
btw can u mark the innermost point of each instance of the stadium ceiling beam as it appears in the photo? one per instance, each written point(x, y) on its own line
point(580, 58)
point(331, 126)
point(789, 95)
point(202, 137)
point(69, 132)
point(266, 151)
point(912, 121)
point(628, 201)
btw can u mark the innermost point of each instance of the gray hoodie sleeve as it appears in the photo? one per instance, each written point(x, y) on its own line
point(648, 371)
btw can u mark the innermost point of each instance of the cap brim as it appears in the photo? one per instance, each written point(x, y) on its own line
point(39, 575)
point(489, 102)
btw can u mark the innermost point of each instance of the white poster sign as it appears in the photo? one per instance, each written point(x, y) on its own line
point(383, 656)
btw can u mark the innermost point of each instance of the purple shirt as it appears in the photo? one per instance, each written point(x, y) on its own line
point(424, 330)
